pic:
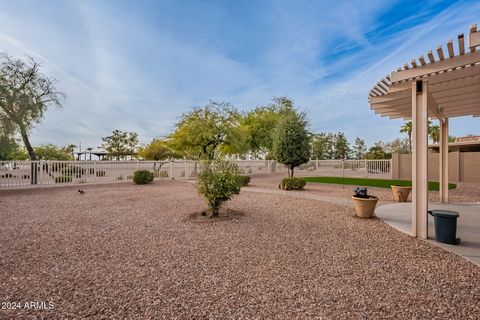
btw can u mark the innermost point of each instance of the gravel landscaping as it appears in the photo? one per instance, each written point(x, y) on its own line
point(146, 252)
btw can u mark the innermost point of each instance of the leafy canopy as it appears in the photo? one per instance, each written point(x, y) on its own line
point(158, 150)
point(120, 143)
point(205, 132)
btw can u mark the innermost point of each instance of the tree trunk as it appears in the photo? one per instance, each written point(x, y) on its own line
point(26, 142)
point(215, 210)
point(292, 168)
point(32, 155)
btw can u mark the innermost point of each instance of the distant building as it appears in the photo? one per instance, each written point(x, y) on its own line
point(461, 144)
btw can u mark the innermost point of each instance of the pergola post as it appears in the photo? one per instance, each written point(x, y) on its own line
point(444, 160)
point(419, 158)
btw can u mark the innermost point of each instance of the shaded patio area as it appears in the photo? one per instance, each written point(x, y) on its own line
point(399, 216)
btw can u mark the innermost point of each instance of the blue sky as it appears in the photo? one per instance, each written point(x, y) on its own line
point(137, 65)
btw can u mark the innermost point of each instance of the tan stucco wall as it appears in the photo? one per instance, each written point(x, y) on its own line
point(470, 166)
point(462, 167)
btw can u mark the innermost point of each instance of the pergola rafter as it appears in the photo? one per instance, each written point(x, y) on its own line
point(442, 84)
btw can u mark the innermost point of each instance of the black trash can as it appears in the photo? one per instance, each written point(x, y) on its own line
point(445, 226)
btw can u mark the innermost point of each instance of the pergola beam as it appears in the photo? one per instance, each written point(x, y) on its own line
point(462, 98)
point(390, 97)
point(469, 71)
point(456, 84)
point(439, 66)
point(433, 107)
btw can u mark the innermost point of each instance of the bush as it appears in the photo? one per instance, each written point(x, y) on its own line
point(217, 182)
point(142, 177)
point(292, 184)
point(100, 173)
point(63, 179)
point(244, 180)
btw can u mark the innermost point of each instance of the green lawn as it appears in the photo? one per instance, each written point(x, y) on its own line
point(380, 183)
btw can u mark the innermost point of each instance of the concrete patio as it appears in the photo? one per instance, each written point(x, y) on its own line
point(399, 216)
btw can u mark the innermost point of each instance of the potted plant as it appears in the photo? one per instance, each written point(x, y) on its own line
point(364, 203)
point(400, 193)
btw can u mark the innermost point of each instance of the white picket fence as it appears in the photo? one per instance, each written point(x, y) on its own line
point(27, 174)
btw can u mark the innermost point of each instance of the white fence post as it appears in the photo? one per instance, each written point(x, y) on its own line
point(366, 168)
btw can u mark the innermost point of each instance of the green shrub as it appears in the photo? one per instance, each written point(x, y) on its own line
point(142, 177)
point(244, 180)
point(292, 184)
point(217, 182)
point(100, 173)
point(63, 179)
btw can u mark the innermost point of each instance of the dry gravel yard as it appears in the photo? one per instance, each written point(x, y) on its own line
point(126, 251)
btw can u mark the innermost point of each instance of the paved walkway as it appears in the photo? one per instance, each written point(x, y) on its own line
point(399, 216)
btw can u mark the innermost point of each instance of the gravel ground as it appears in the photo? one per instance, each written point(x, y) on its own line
point(138, 252)
point(465, 192)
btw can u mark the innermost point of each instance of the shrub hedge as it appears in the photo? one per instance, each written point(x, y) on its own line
point(142, 177)
point(292, 184)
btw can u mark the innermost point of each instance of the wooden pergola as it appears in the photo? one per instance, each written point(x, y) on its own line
point(441, 86)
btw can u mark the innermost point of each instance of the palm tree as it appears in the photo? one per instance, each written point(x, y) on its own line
point(70, 150)
point(407, 128)
point(434, 133)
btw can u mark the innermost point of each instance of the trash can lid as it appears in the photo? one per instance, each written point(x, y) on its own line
point(445, 213)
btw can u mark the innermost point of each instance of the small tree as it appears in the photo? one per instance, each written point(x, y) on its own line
point(291, 142)
point(321, 146)
point(120, 143)
point(217, 182)
point(359, 148)
point(8, 147)
point(342, 147)
point(51, 152)
point(378, 152)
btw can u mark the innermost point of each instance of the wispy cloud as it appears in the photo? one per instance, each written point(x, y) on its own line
point(138, 66)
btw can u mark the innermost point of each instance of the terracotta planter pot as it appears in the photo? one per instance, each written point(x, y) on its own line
point(400, 194)
point(365, 207)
